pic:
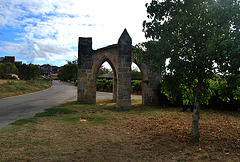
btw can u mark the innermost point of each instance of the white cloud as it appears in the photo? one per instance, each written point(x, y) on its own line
point(52, 27)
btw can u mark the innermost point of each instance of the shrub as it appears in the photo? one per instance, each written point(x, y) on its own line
point(215, 102)
point(7, 69)
point(104, 85)
point(136, 86)
point(220, 100)
point(69, 71)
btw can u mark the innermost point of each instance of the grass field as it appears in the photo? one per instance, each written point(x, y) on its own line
point(72, 132)
point(15, 87)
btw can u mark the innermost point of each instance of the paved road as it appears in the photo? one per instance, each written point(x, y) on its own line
point(26, 106)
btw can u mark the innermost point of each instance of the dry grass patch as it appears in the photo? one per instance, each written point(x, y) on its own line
point(10, 88)
point(107, 134)
point(2, 81)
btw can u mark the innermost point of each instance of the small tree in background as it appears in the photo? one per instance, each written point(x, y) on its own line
point(200, 39)
point(29, 72)
point(136, 75)
point(7, 69)
point(69, 71)
point(103, 70)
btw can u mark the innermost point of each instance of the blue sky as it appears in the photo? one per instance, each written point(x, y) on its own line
point(47, 31)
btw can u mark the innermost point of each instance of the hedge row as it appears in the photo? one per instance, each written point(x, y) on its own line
point(106, 85)
point(214, 103)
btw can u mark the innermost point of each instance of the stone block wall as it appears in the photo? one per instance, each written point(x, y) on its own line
point(124, 71)
point(119, 56)
point(89, 61)
point(150, 83)
point(86, 85)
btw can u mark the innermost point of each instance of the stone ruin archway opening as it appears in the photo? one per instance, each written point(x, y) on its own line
point(108, 74)
point(119, 56)
point(136, 83)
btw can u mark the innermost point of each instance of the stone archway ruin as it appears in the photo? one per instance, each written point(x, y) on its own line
point(119, 56)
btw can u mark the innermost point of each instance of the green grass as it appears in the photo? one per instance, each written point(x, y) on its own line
point(13, 88)
point(24, 121)
point(103, 133)
point(54, 111)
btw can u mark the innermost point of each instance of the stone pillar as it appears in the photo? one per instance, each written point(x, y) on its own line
point(114, 87)
point(124, 71)
point(86, 82)
point(149, 86)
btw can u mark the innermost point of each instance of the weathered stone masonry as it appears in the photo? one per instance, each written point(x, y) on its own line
point(119, 56)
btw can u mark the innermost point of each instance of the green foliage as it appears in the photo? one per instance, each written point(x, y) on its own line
point(136, 86)
point(200, 39)
point(227, 90)
point(69, 71)
point(104, 85)
point(7, 69)
point(185, 90)
point(136, 75)
point(23, 121)
point(29, 72)
point(10, 83)
point(103, 70)
point(148, 52)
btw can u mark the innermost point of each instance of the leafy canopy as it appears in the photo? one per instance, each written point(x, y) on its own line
point(7, 69)
point(29, 72)
point(69, 71)
point(201, 41)
point(103, 70)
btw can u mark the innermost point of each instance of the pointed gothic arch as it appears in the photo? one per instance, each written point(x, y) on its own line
point(119, 56)
point(96, 65)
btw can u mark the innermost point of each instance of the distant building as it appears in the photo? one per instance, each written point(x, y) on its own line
point(46, 69)
point(9, 59)
point(106, 75)
point(1, 60)
point(53, 76)
point(49, 71)
point(18, 63)
point(56, 69)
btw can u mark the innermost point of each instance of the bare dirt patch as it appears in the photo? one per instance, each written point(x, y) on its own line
point(111, 104)
point(2, 81)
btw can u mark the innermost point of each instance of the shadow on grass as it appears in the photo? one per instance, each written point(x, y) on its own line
point(47, 113)
point(135, 109)
point(54, 111)
point(90, 112)
point(23, 121)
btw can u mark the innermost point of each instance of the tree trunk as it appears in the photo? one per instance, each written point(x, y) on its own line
point(196, 109)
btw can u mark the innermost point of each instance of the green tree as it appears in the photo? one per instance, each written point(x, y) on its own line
point(29, 72)
point(7, 69)
point(200, 40)
point(136, 74)
point(69, 71)
point(103, 70)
